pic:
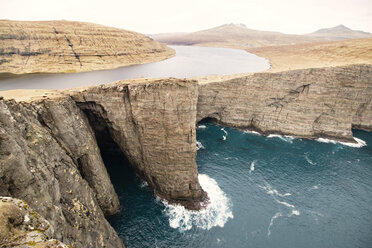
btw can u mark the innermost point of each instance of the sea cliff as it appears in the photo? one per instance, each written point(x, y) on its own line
point(49, 140)
point(310, 103)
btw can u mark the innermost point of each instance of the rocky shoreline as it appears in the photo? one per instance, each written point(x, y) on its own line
point(49, 140)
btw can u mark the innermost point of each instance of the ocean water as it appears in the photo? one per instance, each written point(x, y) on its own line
point(265, 192)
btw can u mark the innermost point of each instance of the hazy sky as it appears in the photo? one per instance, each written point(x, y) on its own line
point(155, 16)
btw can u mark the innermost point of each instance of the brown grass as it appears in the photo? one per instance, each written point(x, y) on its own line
point(324, 54)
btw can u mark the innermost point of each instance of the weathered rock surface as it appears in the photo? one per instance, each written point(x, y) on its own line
point(22, 227)
point(48, 142)
point(64, 46)
point(49, 158)
point(49, 154)
point(321, 102)
point(154, 125)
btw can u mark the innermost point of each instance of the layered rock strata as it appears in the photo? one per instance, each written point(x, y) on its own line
point(49, 158)
point(311, 103)
point(48, 143)
point(65, 46)
point(153, 123)
point(49, 154)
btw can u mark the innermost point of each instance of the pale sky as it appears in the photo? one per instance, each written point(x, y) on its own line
point(158, 16)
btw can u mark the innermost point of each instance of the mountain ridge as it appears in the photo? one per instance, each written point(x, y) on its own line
point(339, 32)
point(239, 35)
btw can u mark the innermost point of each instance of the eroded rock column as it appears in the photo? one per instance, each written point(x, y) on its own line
point(153, 123)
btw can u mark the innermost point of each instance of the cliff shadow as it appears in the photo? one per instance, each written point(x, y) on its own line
point(207, 120)
point(119, 169)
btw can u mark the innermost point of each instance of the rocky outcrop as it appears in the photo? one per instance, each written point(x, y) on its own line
point(154, 125)
point(322, 102)
point(49, 142)
point(49, 158)
point(22, 227)
point(64, 46)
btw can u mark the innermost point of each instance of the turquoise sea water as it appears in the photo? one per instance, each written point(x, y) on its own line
point(265, 192)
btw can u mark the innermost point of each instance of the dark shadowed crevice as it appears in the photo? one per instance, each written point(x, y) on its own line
point(207, 120)
point(115, 161)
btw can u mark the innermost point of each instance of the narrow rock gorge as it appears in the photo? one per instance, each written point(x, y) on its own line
point(48, 141)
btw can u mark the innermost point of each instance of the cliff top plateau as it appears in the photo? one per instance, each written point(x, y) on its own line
point(316, 55)
point(66, 46)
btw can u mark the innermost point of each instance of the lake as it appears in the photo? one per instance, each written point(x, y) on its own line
point(189, 61)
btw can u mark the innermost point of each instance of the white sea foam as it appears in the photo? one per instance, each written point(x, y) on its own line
point(201, 126)
point(360, 143)
point(309, 161)
point(199, 145)
point(272, 191)
point(216, 213)
point(143, 184)
point(251, 132)
point(224, 136)
point(274, 136)
point(277, 215)
point(294, 212)
point(285, 138)
point(252, 166)
point(285, 203)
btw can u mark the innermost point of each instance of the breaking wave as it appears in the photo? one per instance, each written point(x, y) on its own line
point(285, 138)
point(199, 145)
point(360, 143)
point(251, 132)
point(252, 166)
point(224, 136)
point(309, 161)
point(272, 222)
point(216, 213)
point(271, 191)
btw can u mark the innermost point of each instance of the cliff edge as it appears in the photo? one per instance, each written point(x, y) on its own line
point(66, 46)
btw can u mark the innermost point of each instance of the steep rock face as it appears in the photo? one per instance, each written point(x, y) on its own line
point(64, 46)
point(323, 102)
point(21, 226)
point(49, 154)
point(76, 137)
point(40, 149)
point(154, 125)
point(48, 145)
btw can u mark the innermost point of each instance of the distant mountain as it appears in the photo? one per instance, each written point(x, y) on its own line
point(232, 35)
point(339, 32)
point(239, 36)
